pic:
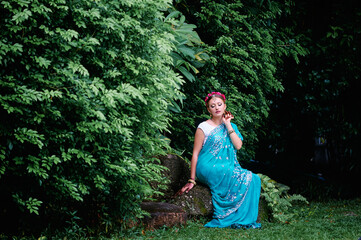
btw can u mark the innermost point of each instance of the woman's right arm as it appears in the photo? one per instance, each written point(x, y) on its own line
point(198, 143)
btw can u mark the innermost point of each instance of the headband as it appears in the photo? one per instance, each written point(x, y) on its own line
point(214, 93)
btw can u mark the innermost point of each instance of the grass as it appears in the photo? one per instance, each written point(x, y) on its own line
point(318, 220)
point(331, 220)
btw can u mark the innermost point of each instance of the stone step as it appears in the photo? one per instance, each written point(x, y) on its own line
point(163, 214)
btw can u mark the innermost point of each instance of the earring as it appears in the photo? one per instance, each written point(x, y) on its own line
point(211, 115)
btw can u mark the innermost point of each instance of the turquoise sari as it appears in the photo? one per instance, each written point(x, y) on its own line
point(235, 191)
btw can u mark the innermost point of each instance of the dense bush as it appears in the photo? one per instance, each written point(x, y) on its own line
point(86, 88)
point(246, 46)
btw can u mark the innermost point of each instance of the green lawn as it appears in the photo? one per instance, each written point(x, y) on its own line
point(332, 220)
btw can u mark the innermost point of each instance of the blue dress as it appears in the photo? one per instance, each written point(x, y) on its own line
point(235, 191)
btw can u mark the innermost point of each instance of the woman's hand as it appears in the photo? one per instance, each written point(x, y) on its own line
point(227, 117)
point(186, 189)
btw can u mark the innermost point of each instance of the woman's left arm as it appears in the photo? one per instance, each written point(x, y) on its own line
point(237, 142)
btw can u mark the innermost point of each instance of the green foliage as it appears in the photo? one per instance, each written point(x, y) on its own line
point(31, 204)
point(86, 88)
point(188, 54)
point(246, 46)
point(332, 88)
point(278, 199)
point(321, 98)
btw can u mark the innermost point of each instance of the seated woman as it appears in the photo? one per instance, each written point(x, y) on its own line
point(235, 191)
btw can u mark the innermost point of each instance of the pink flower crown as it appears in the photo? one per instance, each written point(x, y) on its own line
point(214, 93)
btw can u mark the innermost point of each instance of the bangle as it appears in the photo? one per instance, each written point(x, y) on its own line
point(230, 131)
point(192, 181)
point(192, 178)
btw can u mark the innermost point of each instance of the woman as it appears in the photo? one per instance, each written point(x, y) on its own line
point(235, 191)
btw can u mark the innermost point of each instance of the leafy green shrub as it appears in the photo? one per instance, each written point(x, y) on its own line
point(189, 54)
point(86, 88)
point(246, 45)
point(278, 199)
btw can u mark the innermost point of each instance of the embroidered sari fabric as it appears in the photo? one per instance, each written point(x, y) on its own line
point(235, 191)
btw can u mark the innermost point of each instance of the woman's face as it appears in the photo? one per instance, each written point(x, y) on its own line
point(216, 106)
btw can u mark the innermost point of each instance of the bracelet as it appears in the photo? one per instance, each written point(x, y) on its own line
point(230, 131)
point(192, 181)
